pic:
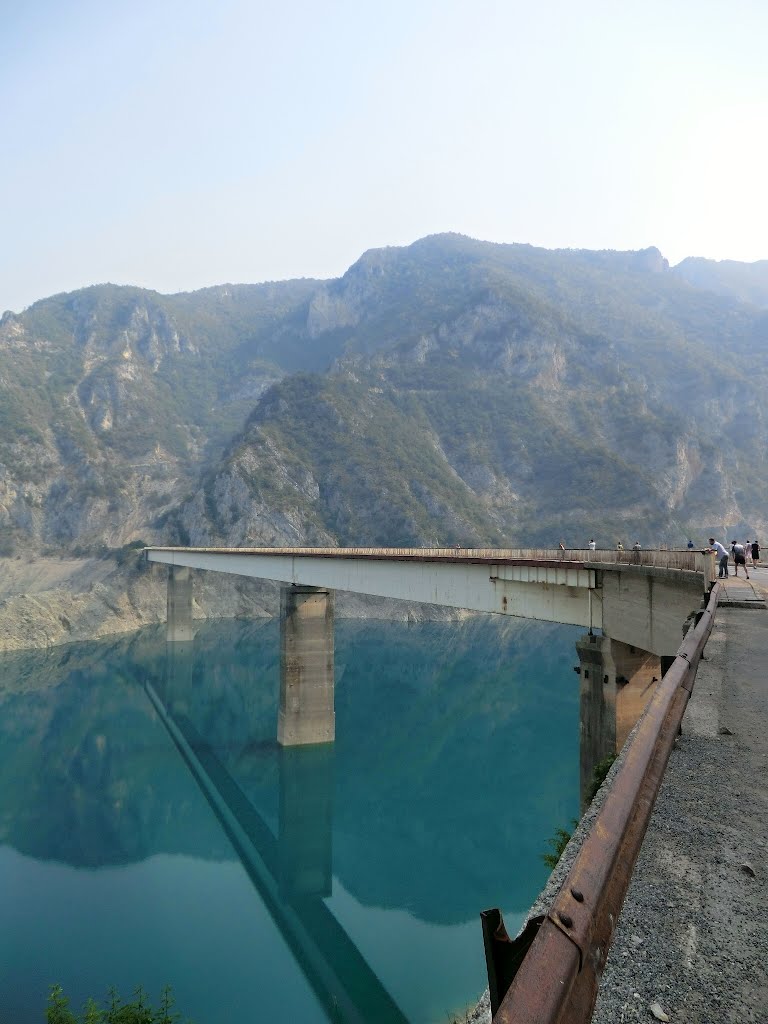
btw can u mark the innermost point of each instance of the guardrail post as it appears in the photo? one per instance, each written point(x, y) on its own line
point(705, 564)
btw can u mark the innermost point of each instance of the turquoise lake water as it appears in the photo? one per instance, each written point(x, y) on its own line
point(152, 831)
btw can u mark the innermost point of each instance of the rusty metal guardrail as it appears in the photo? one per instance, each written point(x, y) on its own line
point(550, 974)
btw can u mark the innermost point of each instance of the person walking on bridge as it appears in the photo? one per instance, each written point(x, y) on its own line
point(722, 557)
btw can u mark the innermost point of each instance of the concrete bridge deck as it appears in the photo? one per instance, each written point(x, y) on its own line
point(639, 598)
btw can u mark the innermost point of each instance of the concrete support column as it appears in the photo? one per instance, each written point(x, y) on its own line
point(306, 712)
point(617, 681)
point(179, 615)
point(637, 674)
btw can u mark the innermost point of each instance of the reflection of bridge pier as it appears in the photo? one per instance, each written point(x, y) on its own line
point(617, 681)
point(291, 872)
point(306, 820)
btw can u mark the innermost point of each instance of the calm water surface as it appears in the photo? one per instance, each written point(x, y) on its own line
point(152, 832)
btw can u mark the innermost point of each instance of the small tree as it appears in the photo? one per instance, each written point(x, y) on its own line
point(114, 1011)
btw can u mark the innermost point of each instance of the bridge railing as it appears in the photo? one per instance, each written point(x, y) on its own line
point(659, 558)
point(662, 558)
point(550, 974)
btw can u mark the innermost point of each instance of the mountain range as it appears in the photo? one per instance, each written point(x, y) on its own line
point(449, 392)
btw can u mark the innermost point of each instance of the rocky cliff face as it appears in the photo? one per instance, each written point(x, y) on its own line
point(525, 396)
point(450, 392)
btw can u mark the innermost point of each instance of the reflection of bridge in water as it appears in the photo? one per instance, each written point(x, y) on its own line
point(290, 871)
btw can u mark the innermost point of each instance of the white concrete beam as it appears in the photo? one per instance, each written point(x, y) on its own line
point(549, 593)
point(643, 605)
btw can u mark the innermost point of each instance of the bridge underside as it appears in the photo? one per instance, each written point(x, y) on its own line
point(551, 593)
point(640, 605)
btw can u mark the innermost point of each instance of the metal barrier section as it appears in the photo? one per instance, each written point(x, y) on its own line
point(551, 973)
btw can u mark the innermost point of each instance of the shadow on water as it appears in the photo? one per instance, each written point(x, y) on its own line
point(456, 758)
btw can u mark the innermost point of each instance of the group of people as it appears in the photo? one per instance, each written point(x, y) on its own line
point(739, 553)
point(592, 545)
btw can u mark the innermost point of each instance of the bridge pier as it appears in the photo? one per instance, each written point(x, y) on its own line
point(306, 712)
point(179, 614)
point(617, 681)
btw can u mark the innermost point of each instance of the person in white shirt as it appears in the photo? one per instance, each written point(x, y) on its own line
point(739, 557)
point(592, 545)
point(722, 556)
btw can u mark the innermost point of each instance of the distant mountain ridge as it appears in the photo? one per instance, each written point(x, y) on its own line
point(452, 391)
point(747, 282)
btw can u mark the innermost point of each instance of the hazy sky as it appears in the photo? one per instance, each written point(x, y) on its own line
point(181, 143)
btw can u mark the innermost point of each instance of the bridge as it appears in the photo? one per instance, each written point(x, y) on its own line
point(637, 600)
point(635, 597)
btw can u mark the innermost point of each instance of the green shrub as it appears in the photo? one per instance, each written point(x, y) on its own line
point(114, 1011)
point(558, 843)
point(599, 773)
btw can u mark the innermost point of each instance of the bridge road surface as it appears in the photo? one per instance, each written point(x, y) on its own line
point(693, 933)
